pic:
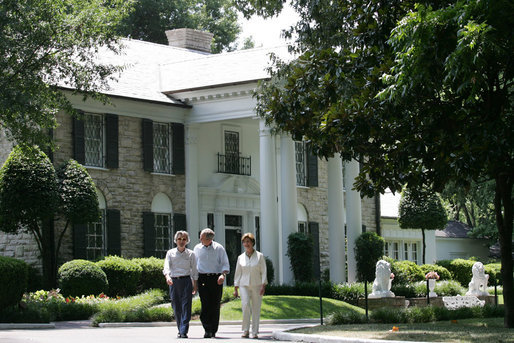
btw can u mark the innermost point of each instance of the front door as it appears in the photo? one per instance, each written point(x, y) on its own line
point(233, 227)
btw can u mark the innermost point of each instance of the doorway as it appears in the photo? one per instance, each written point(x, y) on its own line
point(233, 227)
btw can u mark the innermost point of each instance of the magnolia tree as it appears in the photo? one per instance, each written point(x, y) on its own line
point(33, 195)
point(420, 92)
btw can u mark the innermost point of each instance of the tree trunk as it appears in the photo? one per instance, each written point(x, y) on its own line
point(503, 206)
point(48, 255)
point(424, 244)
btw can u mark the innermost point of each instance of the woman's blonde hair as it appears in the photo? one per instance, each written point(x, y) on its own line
point(250, 236)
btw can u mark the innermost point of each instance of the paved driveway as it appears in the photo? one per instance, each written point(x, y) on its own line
point(81, 332)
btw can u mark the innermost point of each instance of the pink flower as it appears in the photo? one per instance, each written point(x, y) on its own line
point(391, 276)
point(432, 275)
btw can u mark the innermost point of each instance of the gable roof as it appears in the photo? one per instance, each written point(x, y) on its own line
point(454, 229)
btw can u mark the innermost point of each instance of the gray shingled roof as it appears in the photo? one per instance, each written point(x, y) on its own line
point(454, 229)
point(219, 70)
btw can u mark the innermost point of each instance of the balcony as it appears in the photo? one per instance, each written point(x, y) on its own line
point(234, 164)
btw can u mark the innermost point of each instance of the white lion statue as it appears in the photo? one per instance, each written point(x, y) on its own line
point(478, 284)
point(382, 283)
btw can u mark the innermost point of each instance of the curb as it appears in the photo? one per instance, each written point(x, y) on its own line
point(25, 326)
point(297, 337)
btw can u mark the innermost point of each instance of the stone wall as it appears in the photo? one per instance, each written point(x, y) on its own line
point(129, 188)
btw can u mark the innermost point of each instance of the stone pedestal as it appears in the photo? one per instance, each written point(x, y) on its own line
point(489, 299)
point(383, 302)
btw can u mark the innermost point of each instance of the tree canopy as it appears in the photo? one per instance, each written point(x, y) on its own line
point(421, 210)
point(46, 44)
point(33, 194)
point(421, 93)
point(149, 20)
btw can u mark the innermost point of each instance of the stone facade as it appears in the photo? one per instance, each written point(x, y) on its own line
point(129, 188)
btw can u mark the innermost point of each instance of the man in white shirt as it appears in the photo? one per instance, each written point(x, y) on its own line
point(181, 275)
point(213, 266)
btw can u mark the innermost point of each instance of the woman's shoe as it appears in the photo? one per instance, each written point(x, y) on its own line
point(245, 334)
point(255, 336)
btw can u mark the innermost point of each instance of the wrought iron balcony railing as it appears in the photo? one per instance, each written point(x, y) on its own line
point(234, 164)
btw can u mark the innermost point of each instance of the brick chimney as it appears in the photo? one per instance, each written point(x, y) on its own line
point(190, 39)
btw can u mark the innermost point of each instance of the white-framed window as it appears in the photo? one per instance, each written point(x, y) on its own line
point(94, 135)
point(96, 237)
point(301, 163)
point(402, 250)
point(303, 222)
point(162, 151)
point(163, 233)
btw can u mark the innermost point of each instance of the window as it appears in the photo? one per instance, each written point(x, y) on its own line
point(407, 250)
point(301, 163)
point(96, 240)
point(162, 148)
point(163, 234)
point(306, 165)
point(302, 227)
point(301, 215)
point(94, 140)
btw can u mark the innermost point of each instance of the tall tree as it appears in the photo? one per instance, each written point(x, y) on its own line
point(151, 18)
point(421, 210)
point(33, 194)
point(420, 94)
point(46, 44)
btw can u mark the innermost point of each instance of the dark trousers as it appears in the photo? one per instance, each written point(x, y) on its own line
point(210, 297)
point(181, 299)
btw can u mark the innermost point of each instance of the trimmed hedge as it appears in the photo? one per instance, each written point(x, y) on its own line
point(151, 274)
point(405, 272)
point(81, 277)
point(123, 275)
point(460, 269)
point(444, 274)
point(14, 281)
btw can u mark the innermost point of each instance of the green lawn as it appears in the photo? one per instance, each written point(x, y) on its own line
point(287, 307)
point(463, 331)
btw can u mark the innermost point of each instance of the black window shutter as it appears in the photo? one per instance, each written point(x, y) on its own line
point(312, 168)
point(178, 149)
point(149, 234)
point(148, 145)
point(79, 152)
point(314, 232)
point(79, 241)
point(113, 232)
point(179, 223)
point(111, 140)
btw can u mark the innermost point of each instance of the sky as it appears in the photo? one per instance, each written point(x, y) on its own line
point(266, 32)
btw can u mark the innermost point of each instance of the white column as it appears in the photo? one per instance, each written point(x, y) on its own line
point(192, 211)
point(288, 202)
point(336, 239)
point(269, 207)
point(353, 216)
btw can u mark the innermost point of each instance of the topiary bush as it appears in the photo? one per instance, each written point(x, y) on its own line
point(494, 271)
point(368, 250)
point(14, 281)
point(151, 274)
point(405, 272)
point(300, 251)
point(81, 277)
point(444, 274)
point(123, 275)
point(461, 270)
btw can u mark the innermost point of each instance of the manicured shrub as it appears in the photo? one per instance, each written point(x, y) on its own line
point(14, 281)
point(300, 251)
point(407, 290)
point(405, 272)
point(494, 271)
point(461, 270)
point(368, 250)
point(81, 277)
point(301, 288)
point(444, 274)
point(151, 275)
point(349, 292)
point(123, 275)
point(346, 317)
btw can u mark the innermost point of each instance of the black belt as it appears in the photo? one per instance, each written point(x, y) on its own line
point(209, 274)
point(180, 277)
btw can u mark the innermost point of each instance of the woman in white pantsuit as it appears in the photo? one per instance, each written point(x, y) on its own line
point(250, 278)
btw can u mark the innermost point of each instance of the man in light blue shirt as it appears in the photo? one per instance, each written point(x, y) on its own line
point(181, 276)
point(212, 266)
